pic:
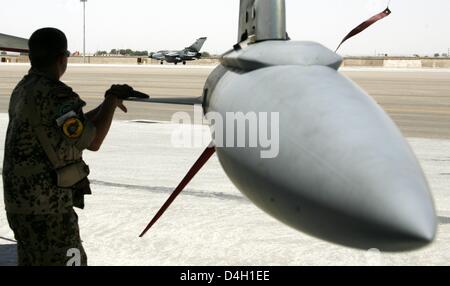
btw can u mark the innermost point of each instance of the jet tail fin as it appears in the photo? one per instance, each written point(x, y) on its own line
point(197, 46)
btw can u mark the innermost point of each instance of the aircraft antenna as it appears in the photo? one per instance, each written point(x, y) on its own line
point(261, 20)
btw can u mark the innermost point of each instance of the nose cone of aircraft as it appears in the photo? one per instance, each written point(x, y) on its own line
point(343, 172)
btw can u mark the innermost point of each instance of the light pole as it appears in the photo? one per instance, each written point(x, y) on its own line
point(84, 30)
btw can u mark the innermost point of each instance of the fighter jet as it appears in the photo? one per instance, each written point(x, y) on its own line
point(187, 54)
point(344, 173)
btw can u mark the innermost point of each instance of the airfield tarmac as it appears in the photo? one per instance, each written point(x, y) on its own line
point(211, 223)
point(417, 100)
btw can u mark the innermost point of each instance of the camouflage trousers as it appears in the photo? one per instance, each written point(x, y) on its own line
point(48, 240)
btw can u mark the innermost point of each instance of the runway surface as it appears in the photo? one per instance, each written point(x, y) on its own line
point(417, 100)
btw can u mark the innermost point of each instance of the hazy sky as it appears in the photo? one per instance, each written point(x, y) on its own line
point(415, 26)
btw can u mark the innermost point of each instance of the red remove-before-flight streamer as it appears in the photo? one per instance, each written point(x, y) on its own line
point(366, 25)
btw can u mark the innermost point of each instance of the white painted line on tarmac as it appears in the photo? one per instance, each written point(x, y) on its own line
point(143, 66)
point(382, 69)
point(168, 66)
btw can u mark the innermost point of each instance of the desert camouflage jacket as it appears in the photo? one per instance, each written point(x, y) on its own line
point(45, 116)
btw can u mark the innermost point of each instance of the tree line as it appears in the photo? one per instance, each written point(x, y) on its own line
point(123, 52)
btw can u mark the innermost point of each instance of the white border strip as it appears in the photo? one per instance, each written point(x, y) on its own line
point(382, 69)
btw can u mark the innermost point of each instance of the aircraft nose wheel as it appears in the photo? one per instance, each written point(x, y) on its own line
point(184, 63)
point(162, 62)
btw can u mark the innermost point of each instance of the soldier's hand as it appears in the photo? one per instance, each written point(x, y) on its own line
point(120, 91)
point(125, 92)
point(122, 106)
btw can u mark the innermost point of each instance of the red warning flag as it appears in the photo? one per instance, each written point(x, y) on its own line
point(366, 25)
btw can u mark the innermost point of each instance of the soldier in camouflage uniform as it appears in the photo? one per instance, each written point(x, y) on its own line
point(44, 175)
